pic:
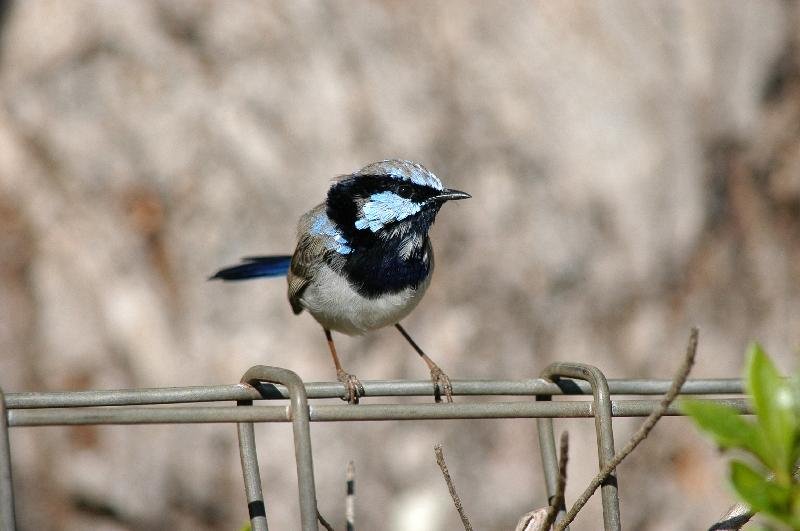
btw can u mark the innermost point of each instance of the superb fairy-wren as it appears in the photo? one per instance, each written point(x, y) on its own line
point(363, 258)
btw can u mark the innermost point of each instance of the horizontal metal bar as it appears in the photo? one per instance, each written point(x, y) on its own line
point(132, 397)
point(214, 393)
point(328, 413)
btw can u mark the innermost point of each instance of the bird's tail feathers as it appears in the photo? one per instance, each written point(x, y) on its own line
point(254, 267)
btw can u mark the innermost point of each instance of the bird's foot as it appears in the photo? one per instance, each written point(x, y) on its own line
point(352, 386)
point(441, 384)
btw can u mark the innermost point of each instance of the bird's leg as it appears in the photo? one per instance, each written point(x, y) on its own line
point(352, 386)
point(441, 382)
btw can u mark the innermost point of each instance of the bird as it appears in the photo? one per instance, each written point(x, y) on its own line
point(363, 258)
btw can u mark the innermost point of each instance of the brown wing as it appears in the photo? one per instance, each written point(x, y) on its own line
point(307, 258)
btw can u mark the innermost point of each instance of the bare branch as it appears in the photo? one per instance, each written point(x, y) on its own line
point(542, 519)
point(535, 520)
point(640, 435)
point(734, 518)
point(324, 523)
point(561, 484)
point(451, 487)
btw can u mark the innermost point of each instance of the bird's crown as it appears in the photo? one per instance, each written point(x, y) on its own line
point(402, 170)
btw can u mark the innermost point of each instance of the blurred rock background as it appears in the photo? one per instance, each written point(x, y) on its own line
point(635, 168)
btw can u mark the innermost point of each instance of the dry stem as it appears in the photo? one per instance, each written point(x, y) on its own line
point(639, 436)
point(451, 487)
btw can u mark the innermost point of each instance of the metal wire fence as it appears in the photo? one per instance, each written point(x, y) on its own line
point(262, 383)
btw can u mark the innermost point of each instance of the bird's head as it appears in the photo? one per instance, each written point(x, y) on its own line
point(389, 199)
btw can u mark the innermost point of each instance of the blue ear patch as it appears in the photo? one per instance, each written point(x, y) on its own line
point(383, 208)
point(334, 240)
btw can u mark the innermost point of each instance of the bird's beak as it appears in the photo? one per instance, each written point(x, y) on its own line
point(450, 195)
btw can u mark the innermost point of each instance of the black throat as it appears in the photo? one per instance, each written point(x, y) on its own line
point(387, 266)
point(397, 256)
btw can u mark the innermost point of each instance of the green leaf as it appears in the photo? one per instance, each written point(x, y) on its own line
point(795, 503)
point(726, 425)
point(794, 387)
point(762, 495)
point(774, 403)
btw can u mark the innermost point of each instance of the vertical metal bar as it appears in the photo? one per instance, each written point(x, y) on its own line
point(252, 478)
point(350, 500)
point(299, 415)
point(547, 449)
point(7, 518)
point(603, 427)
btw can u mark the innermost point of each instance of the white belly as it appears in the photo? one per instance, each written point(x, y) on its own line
point(337, 306)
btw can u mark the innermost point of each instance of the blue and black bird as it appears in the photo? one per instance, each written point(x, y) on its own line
point(363, 258)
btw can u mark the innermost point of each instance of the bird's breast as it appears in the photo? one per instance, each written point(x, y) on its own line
point(337, 305)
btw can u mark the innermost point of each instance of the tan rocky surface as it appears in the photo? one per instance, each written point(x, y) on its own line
point(635, 168)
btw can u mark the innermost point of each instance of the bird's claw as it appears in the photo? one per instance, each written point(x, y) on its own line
point(354, 389)
point(441, 383)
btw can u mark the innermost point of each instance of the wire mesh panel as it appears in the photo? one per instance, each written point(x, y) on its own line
point(178, 405)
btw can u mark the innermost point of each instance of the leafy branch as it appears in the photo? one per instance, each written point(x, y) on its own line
point(769, 444)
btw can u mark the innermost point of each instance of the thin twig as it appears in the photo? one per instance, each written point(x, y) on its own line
point(563, 458)
point(324, 522)
point(542, 519)
point(451, 487)
point(639, 436)
point(535, 520)
point(561, 484)
point(735, 518)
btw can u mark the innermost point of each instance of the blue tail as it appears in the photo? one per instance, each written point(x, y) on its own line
point(254, 267)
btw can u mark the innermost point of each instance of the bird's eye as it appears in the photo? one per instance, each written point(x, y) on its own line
point(406, 190)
